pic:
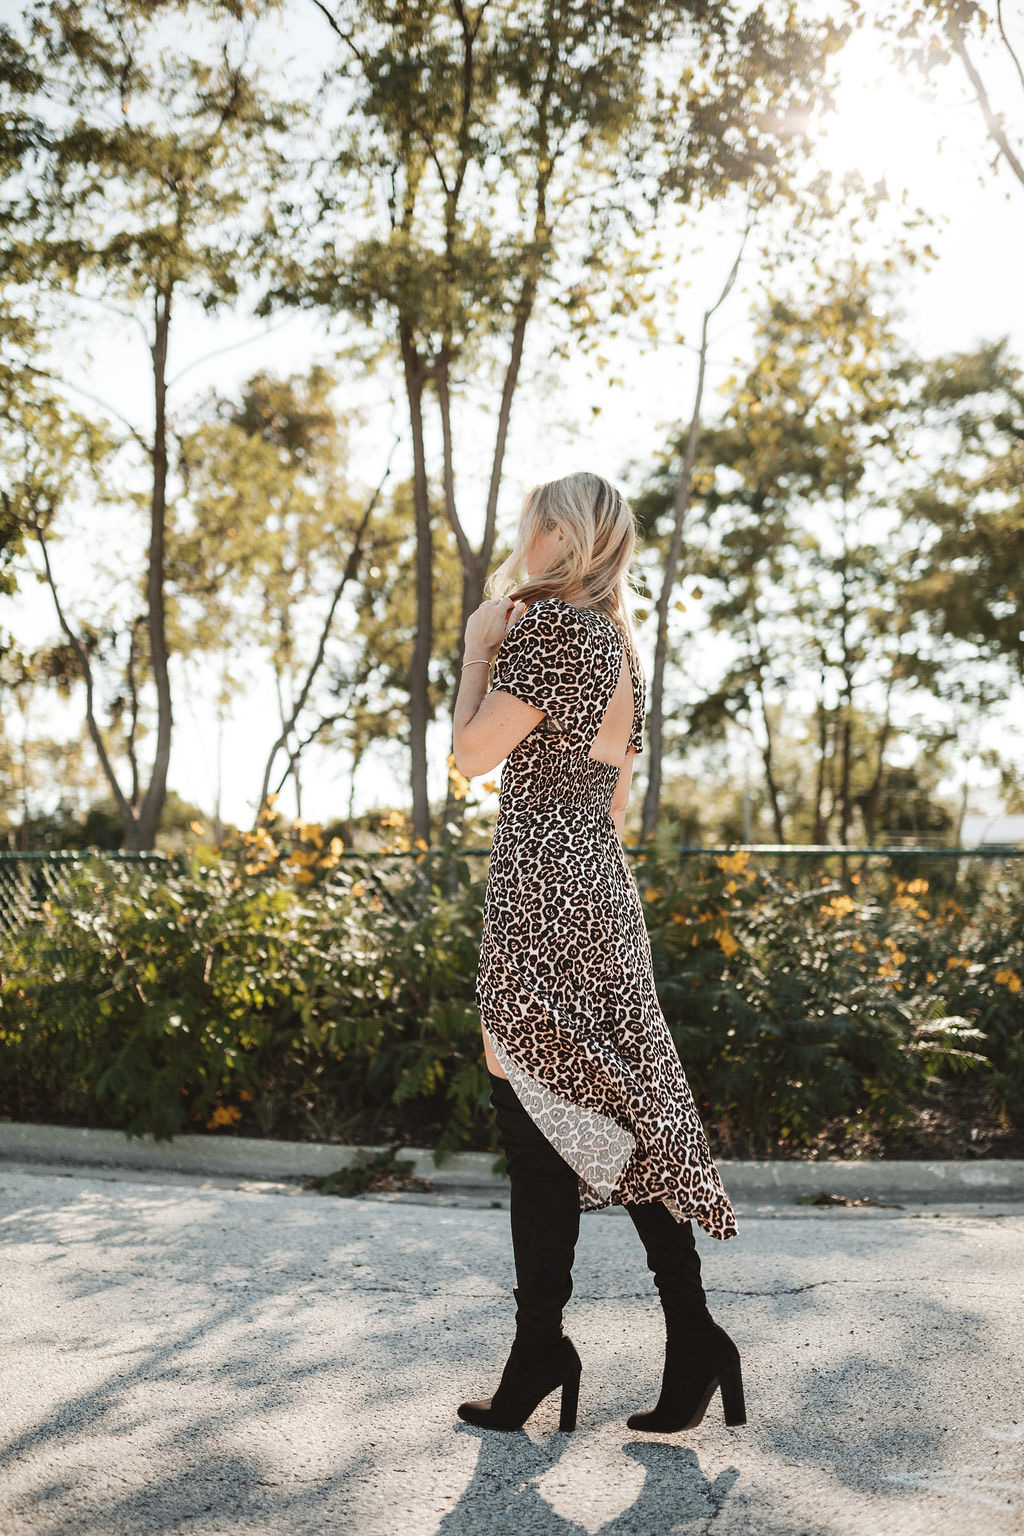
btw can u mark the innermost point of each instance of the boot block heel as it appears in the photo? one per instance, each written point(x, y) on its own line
point(570, 1403)
point(732, 1396)
point(527, 1379)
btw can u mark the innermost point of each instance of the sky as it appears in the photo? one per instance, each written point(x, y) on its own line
point(934, 151)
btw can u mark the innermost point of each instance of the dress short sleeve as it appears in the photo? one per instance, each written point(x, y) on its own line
point(539, 660)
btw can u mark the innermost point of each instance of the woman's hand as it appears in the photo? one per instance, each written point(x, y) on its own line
point(487, 627)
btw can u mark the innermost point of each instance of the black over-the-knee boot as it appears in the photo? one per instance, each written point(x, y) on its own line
point(545, 1221)
point(699, 1355)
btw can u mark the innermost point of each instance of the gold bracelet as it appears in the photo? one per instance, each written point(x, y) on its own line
point(478, 661)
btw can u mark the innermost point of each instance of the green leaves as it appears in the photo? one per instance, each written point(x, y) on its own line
point(807, 1015)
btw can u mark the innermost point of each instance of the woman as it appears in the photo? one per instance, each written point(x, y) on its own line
point(592, 1104)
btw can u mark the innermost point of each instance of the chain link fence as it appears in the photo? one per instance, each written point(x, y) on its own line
point(27, 880)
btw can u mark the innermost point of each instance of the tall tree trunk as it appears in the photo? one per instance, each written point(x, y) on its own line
point(472, 579)
point(835, 729)
point(844, 777)
point(419, 669)
point(874, 794)
point(140, 832)
point(768, 758)
point(475, 563)
point(846, 702)
point(680, 507)
point(818, 829)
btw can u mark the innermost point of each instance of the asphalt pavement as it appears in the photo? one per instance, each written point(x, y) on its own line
point(200, 1356)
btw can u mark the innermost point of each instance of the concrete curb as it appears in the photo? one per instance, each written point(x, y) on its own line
point(252, 1157)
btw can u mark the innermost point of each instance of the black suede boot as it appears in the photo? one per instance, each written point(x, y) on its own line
point(545, 1221)
point(699, 1355)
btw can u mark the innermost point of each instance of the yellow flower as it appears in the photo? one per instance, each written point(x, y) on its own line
point(728, 944)
point(224, 1114)
point(917, 887)
point(358, 888)
point(839, 906)
point(490, 786)
point(958, 960)
point(886, 968)
point(459, 782)
point(856, 944)
point(653, 892)
point(1008, 978)
point(733, 863)
point(930, 976)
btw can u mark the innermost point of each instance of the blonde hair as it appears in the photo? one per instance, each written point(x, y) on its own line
point(598, 545)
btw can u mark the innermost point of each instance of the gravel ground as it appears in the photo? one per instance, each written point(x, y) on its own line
point(209, 1356)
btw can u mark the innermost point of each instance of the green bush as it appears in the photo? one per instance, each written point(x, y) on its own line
point(809, 1010)
point(291, 993)
point(281, 990)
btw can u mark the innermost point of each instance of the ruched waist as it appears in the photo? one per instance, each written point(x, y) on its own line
point(539, 810)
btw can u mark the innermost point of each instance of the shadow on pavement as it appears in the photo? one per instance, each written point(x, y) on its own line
point(504, 1489)
point(286, 1388)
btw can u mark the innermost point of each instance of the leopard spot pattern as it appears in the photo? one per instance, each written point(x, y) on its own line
point(565, 982)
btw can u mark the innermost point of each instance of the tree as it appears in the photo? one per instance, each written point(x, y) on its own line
point(934, 32)
point(146, 165)
point(268, 542)
point(505, 162)
point(681, 497)
point(806, 557)
point(972, 405)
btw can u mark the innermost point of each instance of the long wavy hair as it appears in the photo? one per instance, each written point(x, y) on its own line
point(598, 546)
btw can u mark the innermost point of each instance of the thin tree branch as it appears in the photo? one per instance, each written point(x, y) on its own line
point(87, 394)
point(113, 309)
point(231, 346)
point(302, 744)
point(680, 508)
point(347, 575)
point(1006, 41)
point(992, 123)
point(87, 674)
point(346, 37)
point(445, 406)
point(133, 693)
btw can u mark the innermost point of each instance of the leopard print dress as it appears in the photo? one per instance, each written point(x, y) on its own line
point(565, 984)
